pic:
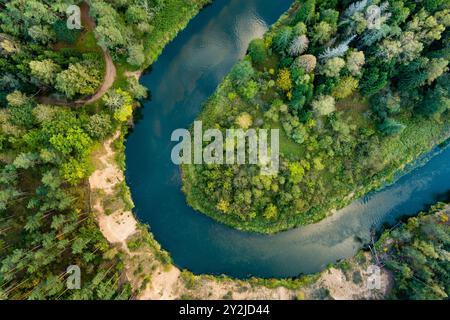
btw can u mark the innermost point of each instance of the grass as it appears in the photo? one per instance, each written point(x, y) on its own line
point(354, 102)
point(87, 43)
point(288, 148)
point(121, 78)
point(174, 17)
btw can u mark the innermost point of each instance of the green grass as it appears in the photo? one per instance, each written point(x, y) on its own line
point(174, 17)
point(87, 43)
point(355, 102)
point(121, 78)
point(288, 148)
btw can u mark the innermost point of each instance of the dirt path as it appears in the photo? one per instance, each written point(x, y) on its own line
point(110, 70)
point(109, 78)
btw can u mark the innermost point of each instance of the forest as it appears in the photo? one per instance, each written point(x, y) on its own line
point(417, 254)
point(46, 139)
point(354, 103)
point(357, 89)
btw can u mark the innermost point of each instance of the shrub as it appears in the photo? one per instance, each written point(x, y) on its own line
point(333, 67)
point(298, 45)
point(257, 51)
point(284, 81)
point(324, 105)
point(307, 62)
point(345, 87)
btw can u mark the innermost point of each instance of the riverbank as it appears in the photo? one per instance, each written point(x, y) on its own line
point(178, 14)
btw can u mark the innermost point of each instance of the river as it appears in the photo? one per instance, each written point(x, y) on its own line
point(185, 75)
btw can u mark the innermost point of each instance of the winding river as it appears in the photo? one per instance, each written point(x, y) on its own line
point(185, 75)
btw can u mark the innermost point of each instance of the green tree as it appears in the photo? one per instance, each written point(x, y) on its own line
point(324, 105)
point(391, 127)
point(137, 90)
point(373, 80)
point(42, 34)
point(306, 12)
point(435, 102)
point(270, 212)
point(20, 109)
point(79, 79)
point(136, 55)
point(322, 33)
point(435, 69)
point(26, 160)
point(297, 172)
point(242, 73)
point(73, 141)
point(284, 81)
point(355, 61)
point(136, 14)
point(257, 51)
point(282, 39)
point(249, 90)
point(121, 103)
point(333, 67)
point(45, 71)
point(99, 126)
point(345, 87)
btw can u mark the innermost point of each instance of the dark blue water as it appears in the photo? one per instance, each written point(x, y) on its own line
point(186, 74)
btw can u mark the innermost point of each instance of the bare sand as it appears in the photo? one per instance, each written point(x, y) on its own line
point(120, 225)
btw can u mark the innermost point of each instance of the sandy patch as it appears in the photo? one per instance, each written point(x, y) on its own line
point(342, 289)
point(117, 227)
point(120, 225)
point(165, 285)
point(107, 175)
point(136, 74)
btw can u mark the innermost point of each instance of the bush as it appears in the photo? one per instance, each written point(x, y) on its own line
point(63, 34)
point(324, 105)
point(306, 12)
point(257, 51)
point(99, 126)
point(284, 81)
point(242, 73)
